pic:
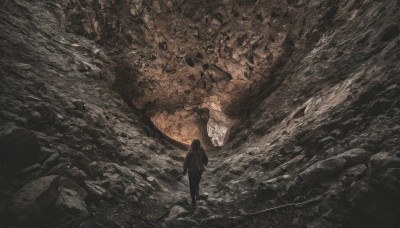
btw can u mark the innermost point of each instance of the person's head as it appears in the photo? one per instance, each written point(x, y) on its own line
point(195, 146)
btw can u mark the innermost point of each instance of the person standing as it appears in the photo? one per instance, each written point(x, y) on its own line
point(195, 160)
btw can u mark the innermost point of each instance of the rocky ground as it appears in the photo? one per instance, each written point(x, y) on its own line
point(302, 96)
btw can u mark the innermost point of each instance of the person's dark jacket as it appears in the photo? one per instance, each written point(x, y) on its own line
point(195, 161)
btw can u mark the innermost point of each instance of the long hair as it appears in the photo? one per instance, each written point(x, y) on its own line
point(195, 147)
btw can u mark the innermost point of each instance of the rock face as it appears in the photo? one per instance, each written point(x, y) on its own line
point(332, 166)
point(194, 75)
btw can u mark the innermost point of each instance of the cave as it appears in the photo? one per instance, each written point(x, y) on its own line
point(295, 103)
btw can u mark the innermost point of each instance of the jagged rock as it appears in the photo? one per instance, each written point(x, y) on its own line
point(357, 171)
point(35, 198)
point(63, 170)
point(96, 190)
point(327, 141)
point(156, 184)
point(175, 173)
point(202, 211)
point(140, 171)
point(177, 212)
point(44, 153)
point(18, 147)
point(333, 165)
point(355, 156)
point(79, 105)
point(214, 201)
point(71, 184)
point(70, 202)
point(130, 190)
point(322, 170)
point(380, 162)
point(50, 161)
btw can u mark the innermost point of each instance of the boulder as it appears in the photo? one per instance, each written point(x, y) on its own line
point(176, 156)
point(95, 190)
point(71, 184)
point(177, 212)
point(35, 198)
point(322, 170)
point(51, 161)
point(380, 162)
point(355, 156)
point(333, 165)
point(44, 153)
point(63, 170)
point(69, 201)
point(357, 171)
point(202, 211)
point(18, 147)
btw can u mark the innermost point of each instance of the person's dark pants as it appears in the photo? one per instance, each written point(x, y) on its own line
point(194, 181)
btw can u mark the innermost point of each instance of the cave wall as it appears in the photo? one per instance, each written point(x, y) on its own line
point(196, 57)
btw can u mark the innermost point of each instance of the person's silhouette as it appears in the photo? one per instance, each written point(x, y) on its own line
point(195, 160)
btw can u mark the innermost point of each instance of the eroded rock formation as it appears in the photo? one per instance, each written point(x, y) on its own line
point(193, 65)
point(301, 96)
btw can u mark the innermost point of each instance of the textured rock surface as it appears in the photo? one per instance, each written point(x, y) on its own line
point(34, 199)
point(291, 88)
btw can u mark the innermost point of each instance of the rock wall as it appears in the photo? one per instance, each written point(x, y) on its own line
point(340, 94)
point(190, 63)
point(72, 150)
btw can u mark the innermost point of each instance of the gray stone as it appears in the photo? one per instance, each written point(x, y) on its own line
point(357, 171)
point(50, 161)
point(34, 198)
point(95, 190)
point(71, 184)
point(176, 156)
point(44, 153)
point(202, 211)
point(70, 202)
point(177, 212)
point(18, 147)
point(323, 170)
point(329, 140)
point(60, 169)
point(380, 162)
point(79, 105)
point(355, 156)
